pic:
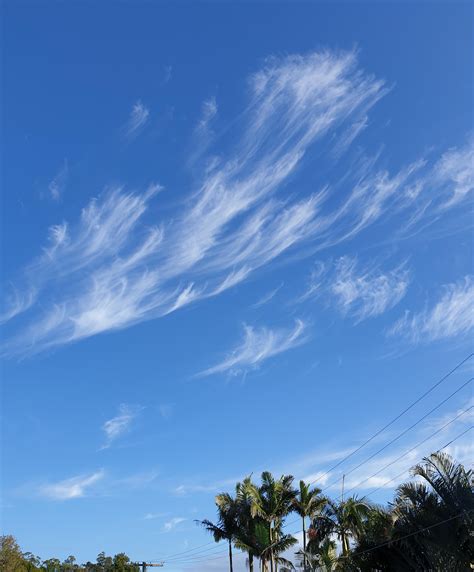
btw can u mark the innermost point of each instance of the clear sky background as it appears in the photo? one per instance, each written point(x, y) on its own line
point(235, 238)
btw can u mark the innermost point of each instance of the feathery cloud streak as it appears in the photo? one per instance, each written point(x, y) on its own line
point(97, 484)
point(258, 345)
point(359, 292)
point(451, 316)
point(137, 120)
point(75, 487)
point(113, 268)
point(58, 184)
point(173, 523)
point(120, 424)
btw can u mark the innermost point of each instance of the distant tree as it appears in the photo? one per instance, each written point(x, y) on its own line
point(51, 565)
point(11, 557)
point(104, 563)
point(69, 564)
point(122, 563)
point(31, 562)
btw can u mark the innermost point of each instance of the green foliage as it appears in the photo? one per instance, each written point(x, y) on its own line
point(12, 559)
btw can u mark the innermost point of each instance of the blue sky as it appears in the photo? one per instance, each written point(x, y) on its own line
point(235, 238)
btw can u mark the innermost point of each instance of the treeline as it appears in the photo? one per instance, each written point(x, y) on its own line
point(12, 559)
point(427, 527)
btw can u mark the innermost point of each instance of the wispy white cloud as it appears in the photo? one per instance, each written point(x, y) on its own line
point(358, 291)
point(16, 303)
point(193, 486)
point(366, 292)
point(173, 523)
point(208, 112)
point(203, 136)
point(113, 268)
point(267, 297)
point(139, 116)
point(75, 487)
point(258, 345)
point(167, 73)
point(452, 315)
point(120, 424)
point(455, 172)
point(58, 183)
point(97, 484)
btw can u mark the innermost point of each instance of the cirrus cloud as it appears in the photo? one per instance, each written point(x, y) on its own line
point(118, 264)
point(257, 346)
point(452, 315)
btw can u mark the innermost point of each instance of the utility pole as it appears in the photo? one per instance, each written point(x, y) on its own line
point(145, 565)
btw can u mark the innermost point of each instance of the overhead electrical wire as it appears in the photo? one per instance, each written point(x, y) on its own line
point(176, 556)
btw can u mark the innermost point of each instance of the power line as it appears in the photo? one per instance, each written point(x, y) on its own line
point(199, 560)
point(203, 558)
point(407, 535)
point(372, 491)
point(189, 550)
point(370, 439)
point(404, 432)
point(185, 560)
point(393, 540)
point(396, 418)
point(198, 554)
point(398, 437)
point(415, 447)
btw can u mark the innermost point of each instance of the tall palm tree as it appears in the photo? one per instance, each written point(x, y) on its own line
point(247, 533)
point(227, 523)
point(441, 513)
point(271, 502)
point(307, 503)
point(344, 519)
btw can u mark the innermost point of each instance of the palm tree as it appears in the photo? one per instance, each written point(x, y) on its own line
point(344, 519)
point(440, 511)
point(246, 537)
point(227, 523)
point(307, 503)
point(271, 502)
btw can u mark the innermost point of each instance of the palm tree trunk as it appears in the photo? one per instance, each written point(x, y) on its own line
point(271, 549)
point(231, 567)
point(250, 562)
point(304, 546)
point(345, 544)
